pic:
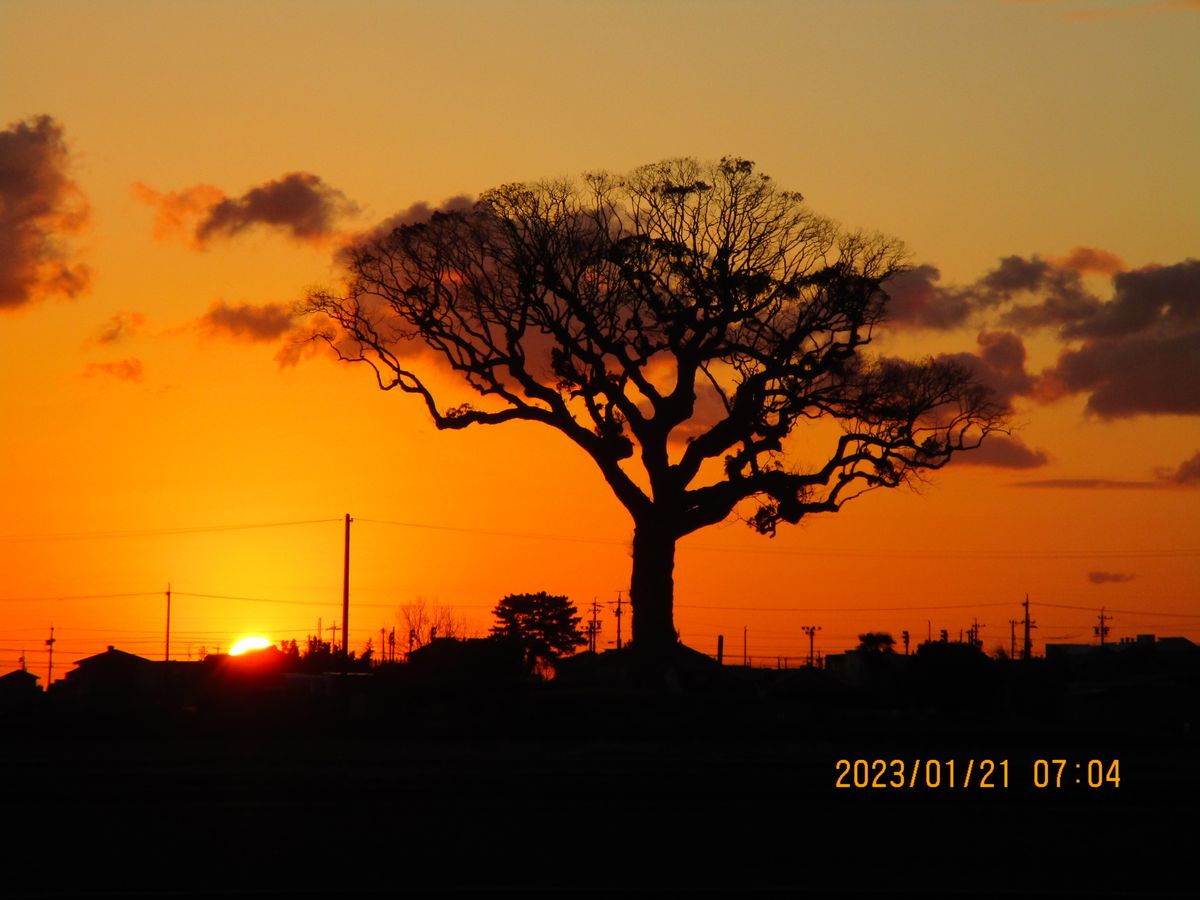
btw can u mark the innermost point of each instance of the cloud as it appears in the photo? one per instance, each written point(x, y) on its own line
point(1187, 473)
point(1109, 577)
point(1090, 260)
point(1001, 452)
point(119, 327)
point(247, 322)
point(1089, 484)
point(416, 214)
point(916, 300)
point(176, 211)
point(300, 204)
point(1136, 353)
point(1140, 351)
point(999, 364)
point(123, 369)
point(39, 206)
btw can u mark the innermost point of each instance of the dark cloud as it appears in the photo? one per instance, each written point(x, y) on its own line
point(1187, 473)
point(1054, 287)
point(999, 364)
point(122, 369)
point(416, 214)
point(39, 206)
point(1109, 577)
point(247, 322)
point(1139, 375)
point(1089, 484)
point(1159, 299)
point(300, 204)
point(916, 300)
point(1001, 452)
point(1140, 351)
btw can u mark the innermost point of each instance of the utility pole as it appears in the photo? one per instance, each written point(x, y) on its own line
point(1102, 630)
point(167, 649)
point(745, 657)
point(346, 593)
point(1027, 648)
point(973, 634)
point(594, 625)
point(334, 629)
point(1012, 639)
point(720, 649)
point(50, 672)
point(619, 613)
point(904, 637)
point(810, 630)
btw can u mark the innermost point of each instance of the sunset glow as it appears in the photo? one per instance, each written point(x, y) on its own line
point(249, 643)
point(184, 181)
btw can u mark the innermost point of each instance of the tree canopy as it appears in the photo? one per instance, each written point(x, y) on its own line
point(546, 625)
point(678, 324)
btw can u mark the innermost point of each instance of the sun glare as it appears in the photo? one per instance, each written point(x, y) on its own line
point(249, 643)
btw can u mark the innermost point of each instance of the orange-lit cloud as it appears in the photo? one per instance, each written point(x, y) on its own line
point(119, 327)
point(300, 204)
point(1090, 259)
point(122, 369)
point(176, 212)
point(39, 206)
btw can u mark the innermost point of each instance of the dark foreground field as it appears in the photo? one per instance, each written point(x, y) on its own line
point(688, 800)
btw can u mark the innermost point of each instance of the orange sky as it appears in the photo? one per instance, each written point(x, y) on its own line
point(148, 249)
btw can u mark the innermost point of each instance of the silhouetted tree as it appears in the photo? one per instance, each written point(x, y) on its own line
point(421, 622)
point(677, 324)
point(546, 625)
point(876, 642)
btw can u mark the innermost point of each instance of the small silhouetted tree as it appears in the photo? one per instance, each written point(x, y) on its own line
point(421, 622)
point(545, 625)
point(678, 324)
point(876, 642)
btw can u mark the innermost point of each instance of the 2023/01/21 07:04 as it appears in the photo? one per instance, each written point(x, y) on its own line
point(982, 774)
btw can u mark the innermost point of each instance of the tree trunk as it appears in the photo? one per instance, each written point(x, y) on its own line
point(652, 588)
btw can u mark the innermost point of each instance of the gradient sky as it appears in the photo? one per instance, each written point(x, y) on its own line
point(174, 176)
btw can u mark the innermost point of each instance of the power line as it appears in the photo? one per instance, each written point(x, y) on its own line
point(155, 532)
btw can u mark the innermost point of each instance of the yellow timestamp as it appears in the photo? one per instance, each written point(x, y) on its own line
point(921, 773)
point(982, 774)
point(1093, 773)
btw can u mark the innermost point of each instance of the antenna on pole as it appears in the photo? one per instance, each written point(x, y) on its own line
point(1027, 648)
point(346, 595)
point(1101, 630)
point(167, 649)
point(810, 630)
point(50, 671)
point(618, 613)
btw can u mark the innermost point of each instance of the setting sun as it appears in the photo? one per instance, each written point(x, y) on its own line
point(249, 643)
